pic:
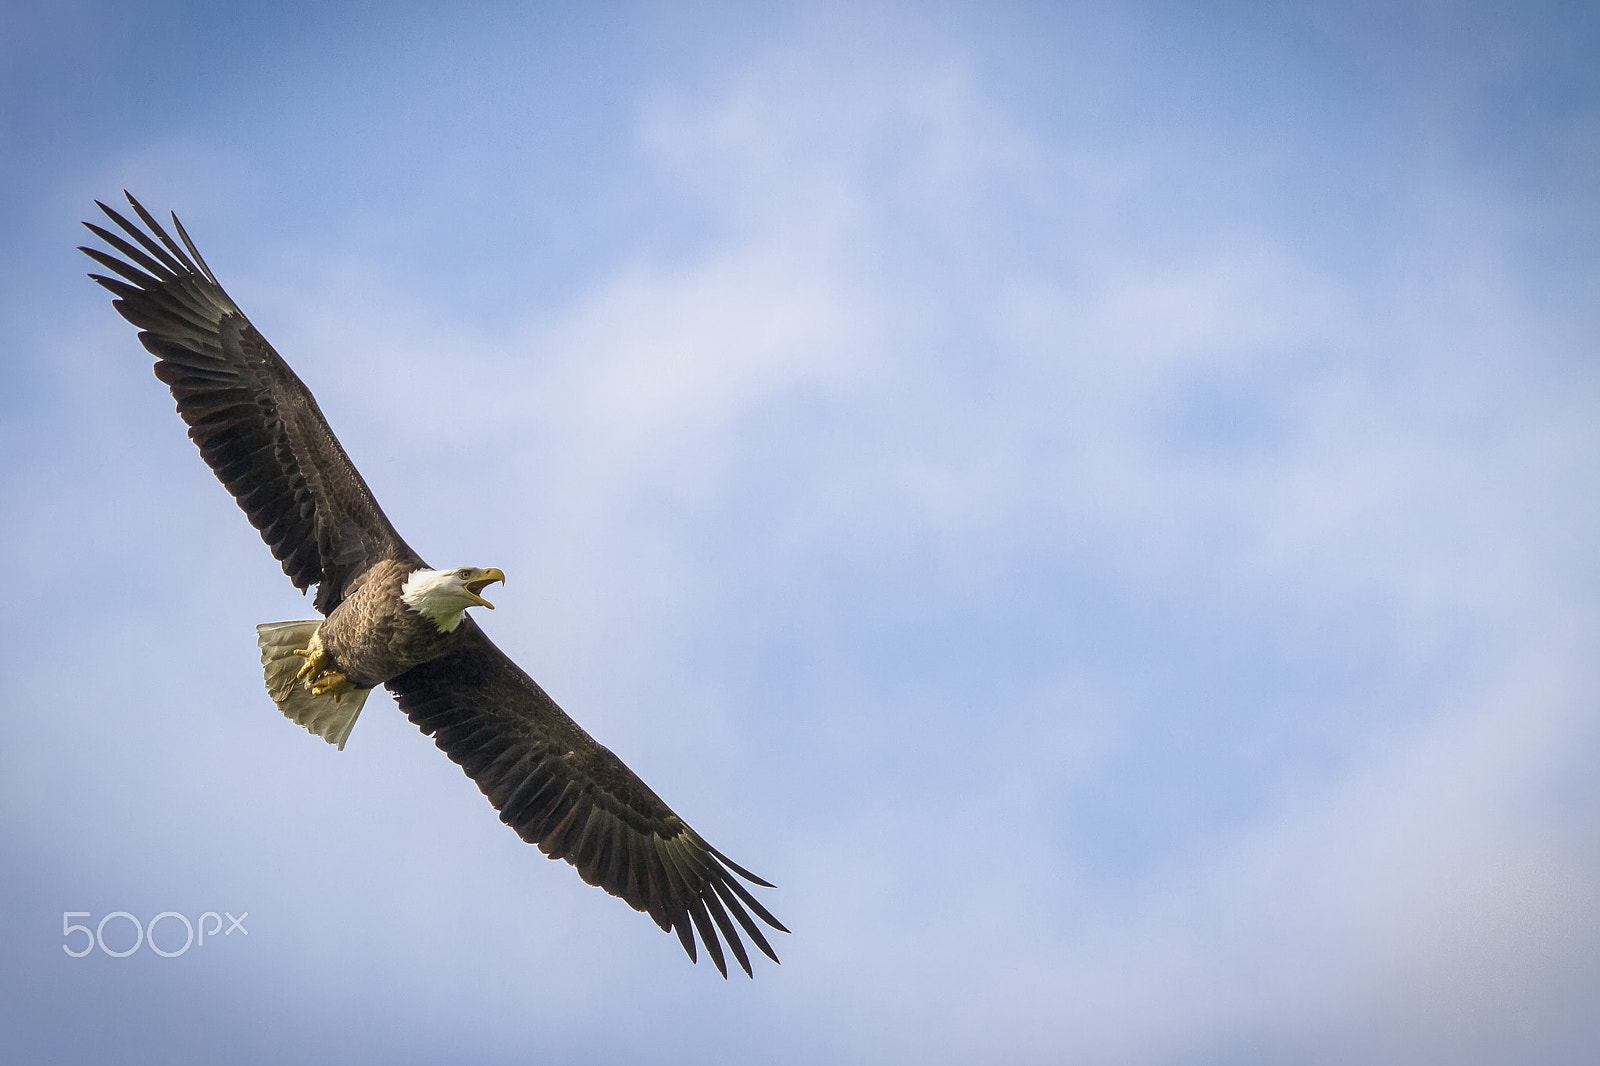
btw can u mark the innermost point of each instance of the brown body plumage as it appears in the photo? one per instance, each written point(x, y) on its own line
point(259, 429)
point(373, 637)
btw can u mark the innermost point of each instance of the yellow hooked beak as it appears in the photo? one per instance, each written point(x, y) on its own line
point(485, 578)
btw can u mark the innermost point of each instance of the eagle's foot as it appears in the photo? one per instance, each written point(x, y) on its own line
point(316, 661)
point(332, 682)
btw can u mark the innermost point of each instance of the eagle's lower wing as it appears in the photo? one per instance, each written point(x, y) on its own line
point(561, 790)
point(255, 422)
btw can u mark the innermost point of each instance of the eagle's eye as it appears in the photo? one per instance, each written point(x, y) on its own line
point(464, 572)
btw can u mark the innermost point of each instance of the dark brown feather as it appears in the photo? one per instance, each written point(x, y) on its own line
point(560, 789)
point(255, 422)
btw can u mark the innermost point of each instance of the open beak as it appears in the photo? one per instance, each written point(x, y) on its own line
point(485, 578)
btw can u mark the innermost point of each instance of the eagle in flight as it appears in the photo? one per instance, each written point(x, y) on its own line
point(391, 620)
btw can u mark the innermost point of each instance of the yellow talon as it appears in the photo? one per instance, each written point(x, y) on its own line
point(316, 660)
point(333, 683)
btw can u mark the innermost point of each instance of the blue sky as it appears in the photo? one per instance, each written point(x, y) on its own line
point(1098, 503)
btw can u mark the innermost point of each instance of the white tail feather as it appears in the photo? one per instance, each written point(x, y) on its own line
point(328, 717)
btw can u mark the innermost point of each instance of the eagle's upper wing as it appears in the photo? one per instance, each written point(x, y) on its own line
point(255, 422)
point(560, 789)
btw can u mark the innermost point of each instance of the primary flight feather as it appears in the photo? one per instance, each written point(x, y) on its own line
point(391, 620)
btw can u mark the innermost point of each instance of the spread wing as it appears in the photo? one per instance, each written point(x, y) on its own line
point(561, 790)
point(255, 422)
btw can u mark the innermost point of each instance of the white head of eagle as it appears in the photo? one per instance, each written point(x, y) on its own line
point(443, 596)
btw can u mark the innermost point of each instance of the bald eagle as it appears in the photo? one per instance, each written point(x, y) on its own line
point(392, 620)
